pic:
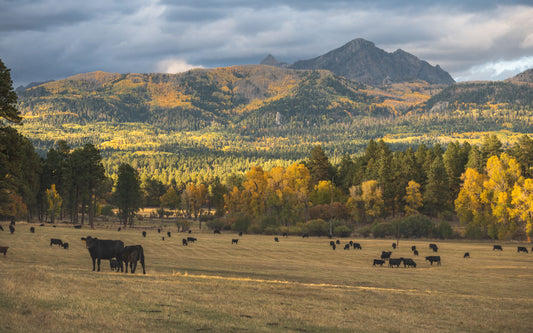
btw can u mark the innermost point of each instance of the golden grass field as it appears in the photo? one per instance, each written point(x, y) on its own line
point(258, 285)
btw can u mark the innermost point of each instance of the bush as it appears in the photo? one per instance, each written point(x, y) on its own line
point(416, 226)
point(342, 231)
point(364, 231)
point(475, 232)
point(107, 210)
point(316, 227)
point(383, 229)
point(242, 223)
point(218, 224)
point(444, 230)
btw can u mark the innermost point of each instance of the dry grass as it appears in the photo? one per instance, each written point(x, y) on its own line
point(296, 285)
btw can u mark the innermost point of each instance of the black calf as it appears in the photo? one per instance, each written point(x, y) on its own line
point(357, 246)
point(347, 246)
point(56, 241)
point(378, 262)
point(276, 239)
point(32, 230)
point(497, 247)
point(415, 252)
point(65, 246)
point(234, 241)
point(395, 262)
point(467, 255)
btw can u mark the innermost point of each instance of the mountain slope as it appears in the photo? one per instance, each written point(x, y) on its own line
point(362, 61)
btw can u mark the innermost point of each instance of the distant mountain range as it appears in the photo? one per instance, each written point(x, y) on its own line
point(360, 60)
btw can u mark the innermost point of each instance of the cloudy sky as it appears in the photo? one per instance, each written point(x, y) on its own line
point(53, 39)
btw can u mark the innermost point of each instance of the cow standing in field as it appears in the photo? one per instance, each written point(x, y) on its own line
point(357, 246)
point(415, 252)
point(103, 249)
point(65, 246)
point(497, 247)
point(378, 262)
point(130, 255)
point(408, 262)
point(168, 234)
point(32, 230)
point(191, 239)
point(347, 246)
point(234, 241)
point(433, 259)
point(11, 229)
point(434, 247)
point(395, 262)
point(522, 249)
point(56, 241)
point(467, 255)
point(413, 248)
point(386, 254)
point(276, 239)
point(184, 242)
point(144, 233)
point(1, 228)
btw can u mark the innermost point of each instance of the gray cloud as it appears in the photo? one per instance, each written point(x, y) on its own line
point(53, 39)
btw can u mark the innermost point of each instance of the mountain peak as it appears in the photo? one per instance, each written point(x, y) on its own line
point(271, 61)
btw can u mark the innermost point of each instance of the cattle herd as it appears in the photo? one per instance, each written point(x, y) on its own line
point(128, 256)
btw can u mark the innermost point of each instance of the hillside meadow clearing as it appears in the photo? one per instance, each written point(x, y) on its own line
point(259, 285)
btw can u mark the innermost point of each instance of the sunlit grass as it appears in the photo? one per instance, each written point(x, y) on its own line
point(259, 285)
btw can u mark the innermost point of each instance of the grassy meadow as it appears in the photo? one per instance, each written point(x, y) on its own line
point(258, 285)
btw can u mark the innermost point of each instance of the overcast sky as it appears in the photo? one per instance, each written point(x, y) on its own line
point(53, 39)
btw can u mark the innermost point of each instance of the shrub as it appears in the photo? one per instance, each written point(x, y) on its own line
point(416, 226)
point(444, 230)
point(382, 230)
point(317, 227)
point(342, 231)
point(242, 223)
point(364, 231)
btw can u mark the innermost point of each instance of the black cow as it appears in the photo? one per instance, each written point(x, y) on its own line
point(40, 225)
point(378, 262)
point(191, 239)
point(184, 242)
point(1, 228)
point(32, 230)
point(522, 249)
point(331, 243)
point(334, 247)
point(190, 231)
point(276, 239)
point(158, 230)
point(497, 247)
point(285, 234)
point(65, 246)
point(415, 252)
point(357, 246)
point(394, 245)
point(240, 233)
point(103, 249)
point(56, 241)
point(119, 228)
point(168, 234)
point(408, 262)
point(130, 255)
point(395, 262)
point(338, 242)
point(347, 246)
point(413, 248)
point(113, 263)
point(234, 241)
point(467, 255)
point(11, 228)
point(77, 226)
point(216, 231)
point(144, 233)
point(386, 254)
point(433, 259)
point(306, 235)
point(434, 247)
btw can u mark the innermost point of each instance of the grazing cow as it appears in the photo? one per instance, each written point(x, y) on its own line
point(184, 242)
point(306, 235)
point(347, 246)
point(497, 247)
point(334, 247)
point(119, 228)
point(378, 262)
point(113, 263)
point(467, 255)
point(395, 262)
point(130, 255)
point(144, 233)
point(331, 243)
point(168, 234)
point(103, 249)
point(234, 241)
point(276, 239)
point(394, 245)
point(386, 254)
point(357, 246)
point(285, 234)
point(77, 226)
point(190, 231)
point(240, 233)
point(65, 246)
point(56, 241)
point(415, 252)
point(1, 228)
point(12, 221)
point(32, 230)
point(522, 249)
point(41, 225)
point(433, 259)
point(351, 243)
point(158, 230)
point(413, 248)
point(434, 247)
point(11, 228)
point(191, 239)
point(216, 231)
point(408, 262)
point(163, 238)
point(338, 242)
point(3, 249)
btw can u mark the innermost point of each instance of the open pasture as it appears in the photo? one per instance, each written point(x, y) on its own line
point(259, 285)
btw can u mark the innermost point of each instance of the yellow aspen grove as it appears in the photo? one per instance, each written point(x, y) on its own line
point(413, 198)
point(468, 204)
point(372, 196)
point(54, 202)
point(522, 201)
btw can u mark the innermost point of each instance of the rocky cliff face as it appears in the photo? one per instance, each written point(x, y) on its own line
point(362, 61)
